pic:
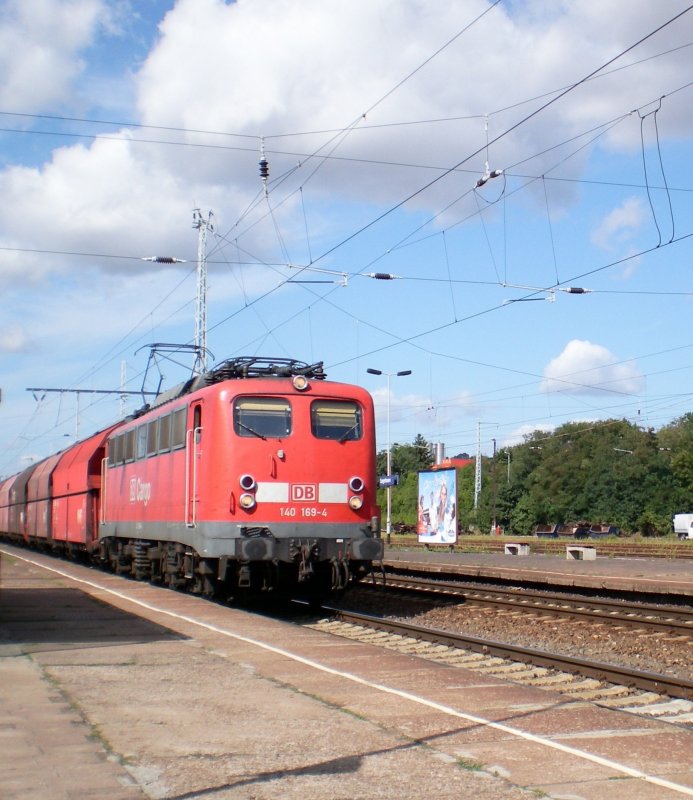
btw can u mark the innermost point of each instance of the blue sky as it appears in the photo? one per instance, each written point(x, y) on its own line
point(377, 118)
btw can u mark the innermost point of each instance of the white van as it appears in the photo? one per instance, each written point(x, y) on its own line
point(683, 526)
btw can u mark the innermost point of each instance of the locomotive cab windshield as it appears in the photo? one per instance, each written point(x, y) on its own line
point(264, 417)
point(340, 420)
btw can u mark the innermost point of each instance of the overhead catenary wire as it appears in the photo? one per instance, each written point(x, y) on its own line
point(385, 273)
point(597, 269)
point(601, 130)
point(501, 135)
point(320, 132)
point(332, 144)
point(511, 169)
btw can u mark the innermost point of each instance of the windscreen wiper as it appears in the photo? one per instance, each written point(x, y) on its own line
point(251, 430)
point(346, 433)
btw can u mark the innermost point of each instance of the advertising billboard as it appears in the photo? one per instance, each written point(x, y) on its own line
point(437, 508)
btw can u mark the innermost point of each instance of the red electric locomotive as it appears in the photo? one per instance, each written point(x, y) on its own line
point(258, 476)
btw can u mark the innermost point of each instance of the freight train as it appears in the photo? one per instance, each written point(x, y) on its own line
point(257, 477)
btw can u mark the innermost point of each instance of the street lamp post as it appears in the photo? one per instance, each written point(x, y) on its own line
point(401, 373)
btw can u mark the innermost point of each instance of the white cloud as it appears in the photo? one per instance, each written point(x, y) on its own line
point(230, 68)
point(587, 368)
point(40, 43)
point(401, 405)
point(620, 226)
point(13, 339)
point(349, 58)
point(255, 68)
point(109, 198)
point(416, 404)
point(519, 435)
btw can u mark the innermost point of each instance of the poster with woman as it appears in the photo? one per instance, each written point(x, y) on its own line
point(437, 510)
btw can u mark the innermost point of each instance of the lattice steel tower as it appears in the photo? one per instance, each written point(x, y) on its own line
point(477, 471)
point(203, 225)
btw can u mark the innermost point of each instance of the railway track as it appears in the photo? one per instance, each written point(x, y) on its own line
point(548, 618)
point(653, 617)
point(649, 694)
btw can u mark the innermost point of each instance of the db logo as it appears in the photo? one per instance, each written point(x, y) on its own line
point(304, 492)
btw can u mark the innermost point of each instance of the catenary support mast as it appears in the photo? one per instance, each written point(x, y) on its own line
point(477, 472)
point(203, 225)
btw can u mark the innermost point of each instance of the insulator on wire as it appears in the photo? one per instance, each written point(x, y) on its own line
point(164, 259)
point(264, 165)
point(382, 276)
point(495, 173)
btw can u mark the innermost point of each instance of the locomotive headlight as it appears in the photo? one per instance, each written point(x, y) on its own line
point(248, 483)
point(247, 501)
point(356, 484)
point(300, 383)
point(355, 502)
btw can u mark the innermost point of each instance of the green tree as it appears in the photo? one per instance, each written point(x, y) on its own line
point(406, 460)
point(607, 472)
point(676, 441)
point(651, 524)
point(523, 518)
point(404, 499)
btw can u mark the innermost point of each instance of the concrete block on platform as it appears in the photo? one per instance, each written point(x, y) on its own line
point(580, 553)
point(516, 549)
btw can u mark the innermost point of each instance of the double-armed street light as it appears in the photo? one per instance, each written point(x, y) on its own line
point(401, 373)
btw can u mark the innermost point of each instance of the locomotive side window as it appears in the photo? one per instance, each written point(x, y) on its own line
point(129, 445)
point(165, 433)
point(336, 419)
point(142, 441)
point(115, 449)
point(151, 437)
point(197, 423)
point(264, 417)
point(178, 428)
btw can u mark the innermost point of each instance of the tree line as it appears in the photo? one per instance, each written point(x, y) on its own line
point(610, 471)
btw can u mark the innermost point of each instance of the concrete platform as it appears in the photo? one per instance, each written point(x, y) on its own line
point(655, 576)
point(112, 688)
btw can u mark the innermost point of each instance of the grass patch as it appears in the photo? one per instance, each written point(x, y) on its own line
point(469, 764)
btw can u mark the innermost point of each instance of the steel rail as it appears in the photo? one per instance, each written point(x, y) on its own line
point(640, 615)
point(609, 673)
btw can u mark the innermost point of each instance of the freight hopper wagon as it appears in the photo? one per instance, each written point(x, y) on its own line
point(256, 477)
point(55, 504)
